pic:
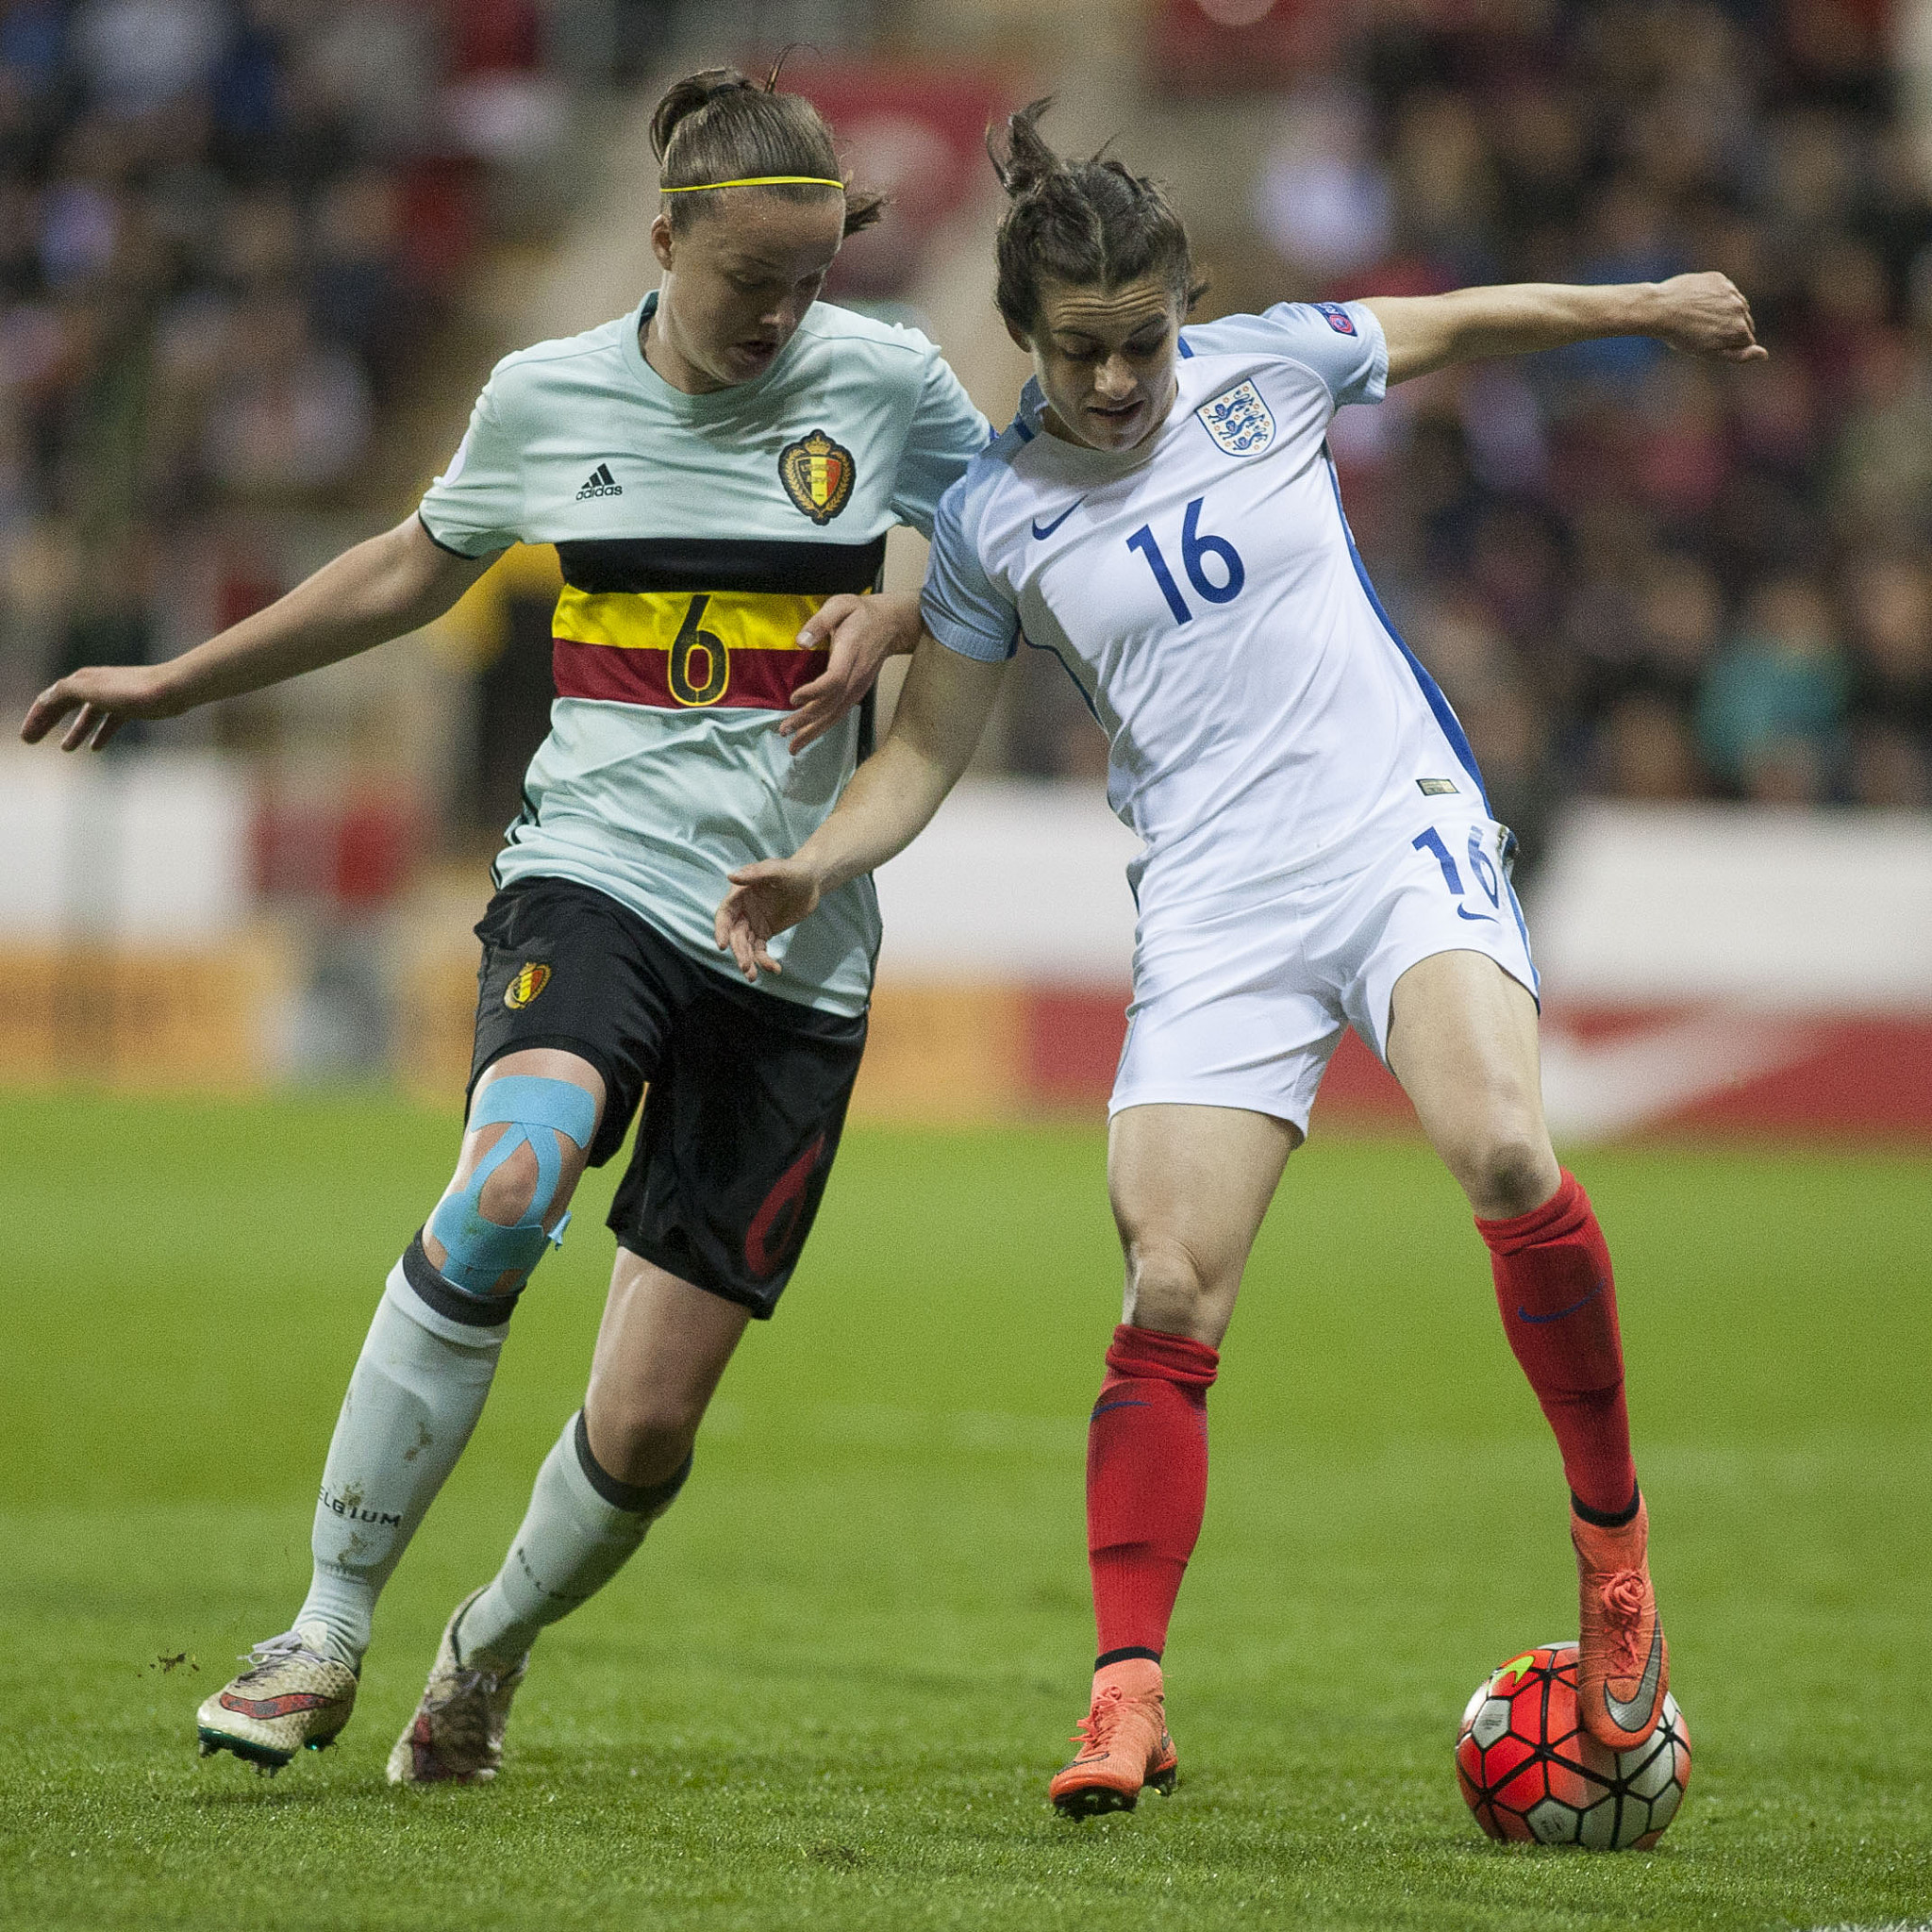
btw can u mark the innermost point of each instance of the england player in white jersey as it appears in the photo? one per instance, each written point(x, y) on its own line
point(1317, 850)
point(718, 470)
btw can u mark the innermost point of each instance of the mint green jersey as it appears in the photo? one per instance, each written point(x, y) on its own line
point(696, 535)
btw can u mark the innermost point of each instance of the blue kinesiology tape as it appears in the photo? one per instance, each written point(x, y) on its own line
point(481, 1250)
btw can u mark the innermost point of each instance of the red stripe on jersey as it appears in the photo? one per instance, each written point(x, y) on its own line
point(753, 681)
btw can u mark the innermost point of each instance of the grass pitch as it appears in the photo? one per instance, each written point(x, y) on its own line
point(830, 1690)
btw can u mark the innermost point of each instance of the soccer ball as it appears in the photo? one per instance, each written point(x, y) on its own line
point(1529, 1773)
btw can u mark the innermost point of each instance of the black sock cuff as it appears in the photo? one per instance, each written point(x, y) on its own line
point(1611, 1519)
point(637, 1499)
point(1122, 1654)
point(433, 1291)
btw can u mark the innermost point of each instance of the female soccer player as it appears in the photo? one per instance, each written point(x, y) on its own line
point(718, 470)
point(1318, 852)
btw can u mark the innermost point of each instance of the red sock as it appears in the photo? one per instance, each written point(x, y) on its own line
point(1559, 1310)
point(1146, 1484)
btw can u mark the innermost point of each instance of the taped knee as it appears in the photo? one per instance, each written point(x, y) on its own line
point(536, 1110)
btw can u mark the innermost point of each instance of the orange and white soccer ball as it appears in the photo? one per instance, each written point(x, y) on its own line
point(1529, 1772)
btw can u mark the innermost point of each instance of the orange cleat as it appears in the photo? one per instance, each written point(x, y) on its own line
point(1623, 1663)
point(1124, 1744)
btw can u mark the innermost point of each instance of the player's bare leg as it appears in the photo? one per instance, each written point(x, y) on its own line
point(1190, 1186)
point(618, 1466)
point(415, 1395)
point(1462, 1041)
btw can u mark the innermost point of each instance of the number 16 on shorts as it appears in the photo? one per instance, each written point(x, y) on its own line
point(1482, 871)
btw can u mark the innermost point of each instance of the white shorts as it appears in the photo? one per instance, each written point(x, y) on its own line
point(1240, 1000)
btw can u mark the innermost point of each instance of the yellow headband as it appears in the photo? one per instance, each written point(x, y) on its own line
point(758, 181)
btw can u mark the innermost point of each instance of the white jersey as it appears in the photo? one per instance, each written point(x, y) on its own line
point(1205, 594)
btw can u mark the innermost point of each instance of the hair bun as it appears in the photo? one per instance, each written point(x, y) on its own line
point(1028, 163)
point(687, 96)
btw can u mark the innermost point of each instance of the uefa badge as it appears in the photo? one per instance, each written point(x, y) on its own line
point(1239, 421)
point(817, 473)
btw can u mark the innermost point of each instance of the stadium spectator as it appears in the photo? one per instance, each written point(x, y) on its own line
point(1769, 711)
point(1889, 619)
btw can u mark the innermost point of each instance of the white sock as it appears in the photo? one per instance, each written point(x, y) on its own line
point(581, 1529)
point(418, 1387)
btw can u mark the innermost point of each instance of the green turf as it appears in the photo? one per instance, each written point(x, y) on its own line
point(830, 1691)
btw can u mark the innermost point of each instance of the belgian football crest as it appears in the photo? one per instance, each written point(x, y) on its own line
point(817, 473)
point(1239, 421)
point(532, 978)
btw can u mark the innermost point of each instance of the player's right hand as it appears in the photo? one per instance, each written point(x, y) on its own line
point(102, 699)
point(1708, 315)
point(764, 899)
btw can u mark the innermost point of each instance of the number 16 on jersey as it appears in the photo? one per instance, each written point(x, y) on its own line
point(1197, 546)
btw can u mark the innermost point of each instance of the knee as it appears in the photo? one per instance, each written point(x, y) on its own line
point(510, 1190)
point(643, 1442)
point(1169, 1288)
point(509, 1197)
point(1507, 1170)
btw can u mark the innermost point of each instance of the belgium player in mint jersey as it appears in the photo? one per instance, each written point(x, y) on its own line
point(1318, 852)
point(718, 470)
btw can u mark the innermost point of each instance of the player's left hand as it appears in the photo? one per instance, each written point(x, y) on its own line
point(1708, 315)
point(862, 633)
point(765, 899)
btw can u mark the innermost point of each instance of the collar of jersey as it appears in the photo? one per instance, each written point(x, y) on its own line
point(717, 402)
point(1079, 458)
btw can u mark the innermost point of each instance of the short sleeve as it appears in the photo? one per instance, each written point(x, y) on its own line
point(962, 607)
point(946, 433)
point(474, 507)
point(1340, 342)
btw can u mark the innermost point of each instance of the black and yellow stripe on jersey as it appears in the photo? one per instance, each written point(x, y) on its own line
point(682, 623)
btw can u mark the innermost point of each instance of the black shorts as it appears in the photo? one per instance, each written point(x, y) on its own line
point(747, 1090)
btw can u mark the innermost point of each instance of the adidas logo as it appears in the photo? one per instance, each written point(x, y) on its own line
point(600, 482)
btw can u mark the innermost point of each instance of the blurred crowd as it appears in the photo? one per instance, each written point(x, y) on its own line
point(231, 229)
point(228, 228)
point(1640, 574)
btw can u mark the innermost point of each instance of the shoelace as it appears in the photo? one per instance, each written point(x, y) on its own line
point(1623, 1596)
point(1095, 1731)
point(469, 1683)
point(464, 1714)
point(276, 1650)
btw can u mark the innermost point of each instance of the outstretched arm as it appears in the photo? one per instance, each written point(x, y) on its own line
point(1701, 314)
point(391, 584)
point(943, 710)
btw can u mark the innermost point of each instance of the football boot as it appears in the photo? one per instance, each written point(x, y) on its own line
point(456, 1736)
point(293, 1697)
point(1124, 1744)
point(1623, 1663)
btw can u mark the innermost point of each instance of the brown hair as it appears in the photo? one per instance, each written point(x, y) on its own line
point(1086, 222)
point(718, 126)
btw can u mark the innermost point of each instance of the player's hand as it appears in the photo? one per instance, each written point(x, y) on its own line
point(764, 899)
point(862, 633)
point(101, 699)
point(1708, 315)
